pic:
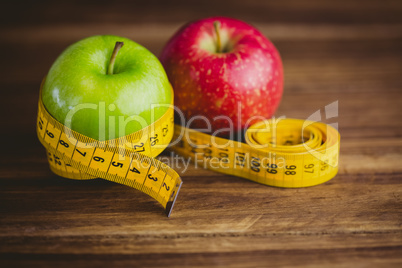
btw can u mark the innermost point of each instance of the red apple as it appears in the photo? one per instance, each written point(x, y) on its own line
point(218, 65)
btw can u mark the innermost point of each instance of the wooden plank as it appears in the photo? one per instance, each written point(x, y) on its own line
point(148, 33)
point(328, 224)
point(161, 12)
point(207, 205)
point(365, 257)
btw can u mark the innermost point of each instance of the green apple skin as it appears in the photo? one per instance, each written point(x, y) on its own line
point(79, 76)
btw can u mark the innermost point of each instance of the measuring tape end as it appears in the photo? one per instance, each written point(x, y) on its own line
point(170, 203)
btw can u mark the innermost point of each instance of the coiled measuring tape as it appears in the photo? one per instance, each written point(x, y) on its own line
point(282, 153)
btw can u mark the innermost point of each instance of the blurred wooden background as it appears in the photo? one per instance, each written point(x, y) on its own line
point(346, 51)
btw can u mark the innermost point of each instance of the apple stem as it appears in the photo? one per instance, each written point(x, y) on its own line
point(217, 25)
point(113, 57)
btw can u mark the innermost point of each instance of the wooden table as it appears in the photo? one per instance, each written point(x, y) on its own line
point(345, 51)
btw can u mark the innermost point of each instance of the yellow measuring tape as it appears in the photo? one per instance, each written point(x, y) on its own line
point(282, 153)
point(128, 160)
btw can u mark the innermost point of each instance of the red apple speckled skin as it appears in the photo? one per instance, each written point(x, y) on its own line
point(212, 84)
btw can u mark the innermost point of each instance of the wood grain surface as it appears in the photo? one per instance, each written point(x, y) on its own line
point(345, 51)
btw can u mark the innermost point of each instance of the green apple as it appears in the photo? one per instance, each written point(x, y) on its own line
point(114, 86)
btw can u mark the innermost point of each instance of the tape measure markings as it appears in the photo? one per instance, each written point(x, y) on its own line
point(302, 165)
point(76, 156)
